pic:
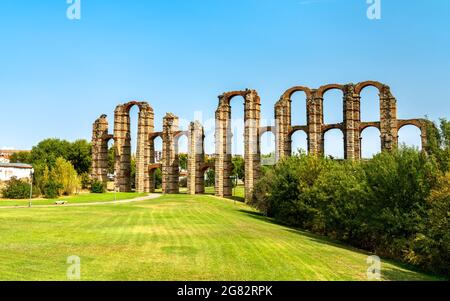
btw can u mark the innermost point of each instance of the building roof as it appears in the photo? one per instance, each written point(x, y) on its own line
point(16, 165)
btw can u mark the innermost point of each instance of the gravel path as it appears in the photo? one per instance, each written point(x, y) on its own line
point(145, 198)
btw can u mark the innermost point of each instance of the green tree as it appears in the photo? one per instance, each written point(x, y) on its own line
point(439, 143)
point(210, 177)
point(431, 247)
point(16, 189)
point(133, 173)
point(111, 159)
point(238, 167)
point(80, 155)
point(21, 157)
point(65, 174)
point(49, 150)
point(183, 160)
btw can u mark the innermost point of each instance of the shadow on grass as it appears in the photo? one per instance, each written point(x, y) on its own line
point(236, 198)
point(402, 271)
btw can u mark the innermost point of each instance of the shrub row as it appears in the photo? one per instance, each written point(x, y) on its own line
point(396, 205)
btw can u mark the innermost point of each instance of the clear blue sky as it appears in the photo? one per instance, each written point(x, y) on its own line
point(57, 76)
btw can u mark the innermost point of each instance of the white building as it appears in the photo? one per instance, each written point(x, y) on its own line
point(17, 170)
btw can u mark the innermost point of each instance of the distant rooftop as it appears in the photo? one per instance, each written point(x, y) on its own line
point(16, 165)
point(4, 152)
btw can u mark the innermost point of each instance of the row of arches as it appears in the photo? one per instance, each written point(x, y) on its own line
point(342, 137)
point(408, 135)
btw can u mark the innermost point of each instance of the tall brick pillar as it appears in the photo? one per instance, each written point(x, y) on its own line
point(223, 187)
point(151, 144)
point(252, 152)
point(223, 135)
point(170, 164)
point(143, 148)
point(122, 144)
point(283, 124)
point(314, 111)
point(196, 159)
point(351, 124)
point(388, 119)
point(100, 138)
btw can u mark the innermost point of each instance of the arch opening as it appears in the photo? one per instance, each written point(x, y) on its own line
point(133, 113)
point(334, 144)
point(237, 124)
point(267, 142)
point(299, 142)
point(410, 135)
point(298, 108)
point(333, 106)
point(155, 166)
point(370, 142)
point(181, 149)
point(370, 103)
point(111, 158)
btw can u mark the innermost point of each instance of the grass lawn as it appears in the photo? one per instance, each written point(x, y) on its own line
point(174, 237)
point(81, 198)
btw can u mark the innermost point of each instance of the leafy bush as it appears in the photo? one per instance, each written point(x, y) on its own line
point(98, 187)
point(51, 189)
point(210, 177)
point(432, 247)
point(183, 182)
point(396, 205)
point(158, 178)
point(16, 189)
point(85, 180)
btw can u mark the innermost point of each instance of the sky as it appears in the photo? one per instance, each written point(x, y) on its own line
point(58, 75)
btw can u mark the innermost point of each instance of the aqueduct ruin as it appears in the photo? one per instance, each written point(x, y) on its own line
point(315, 129)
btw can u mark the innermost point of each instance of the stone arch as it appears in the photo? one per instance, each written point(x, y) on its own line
point(223, 187)
point(266, 129)
point(122, 144)
point(296, 130)
point(324, 89)
point(100, 140)
point(283, 118)
point(177, 138)
point(388, 112)
point(421, 124)
point(360, 86)
point(153, 157)
point(289, 92)
point(151, 172)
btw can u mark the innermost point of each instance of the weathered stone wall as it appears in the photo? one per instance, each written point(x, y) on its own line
point(170, 164)
point(143, 148)
point(223, 186)
point(100, 138)
point(252, 151)
point(196, 159)
point(351, 126)
point(122, 145)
